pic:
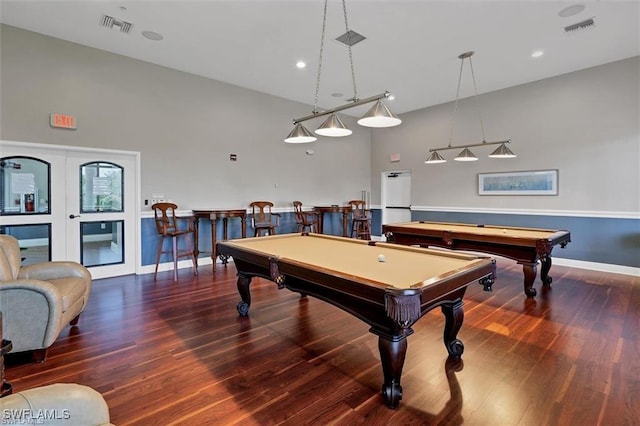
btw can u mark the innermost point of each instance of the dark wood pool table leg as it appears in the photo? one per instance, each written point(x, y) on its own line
point(454, 316)
point(530, 270)
point(545, 266)
point(245, 294)
point(392, 354)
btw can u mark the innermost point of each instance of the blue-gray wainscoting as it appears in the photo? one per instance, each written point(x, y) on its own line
point(613, 241)
point(332, 225)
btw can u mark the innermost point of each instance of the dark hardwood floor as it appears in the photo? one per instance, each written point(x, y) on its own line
point(167, 353)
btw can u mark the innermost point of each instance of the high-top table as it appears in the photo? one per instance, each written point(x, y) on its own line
point(345, 210)
point(213, 215)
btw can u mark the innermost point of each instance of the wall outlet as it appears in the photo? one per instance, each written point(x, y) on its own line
point(157, 197)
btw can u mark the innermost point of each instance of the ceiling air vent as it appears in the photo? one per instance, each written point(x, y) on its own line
point(586, 24)
point(116, 24)
point(350, 38)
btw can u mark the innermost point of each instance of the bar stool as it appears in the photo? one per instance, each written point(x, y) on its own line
point(167, 226)
point(305, 220)
point(360, 220)
point(262, 219)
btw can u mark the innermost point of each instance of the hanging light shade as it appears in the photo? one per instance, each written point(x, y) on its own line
point(466, 155)
point(333, 127)
point(502, 151)
point(379, 116)
point(435, 158)
point(300, 134)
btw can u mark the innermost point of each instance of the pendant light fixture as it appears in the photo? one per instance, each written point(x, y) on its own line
point(466, 155)
point(378, 116)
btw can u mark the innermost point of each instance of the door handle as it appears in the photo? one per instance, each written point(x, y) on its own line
point(73, 216)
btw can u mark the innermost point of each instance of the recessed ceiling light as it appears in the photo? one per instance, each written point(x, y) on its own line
point(574, 9)
point(537, 53)
point(152, 35)
point(301, 64)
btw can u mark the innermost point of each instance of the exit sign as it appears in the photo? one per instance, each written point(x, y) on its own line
point(63, 121)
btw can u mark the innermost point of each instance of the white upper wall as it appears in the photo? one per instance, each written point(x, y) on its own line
point(184, 126)
point(585, 124)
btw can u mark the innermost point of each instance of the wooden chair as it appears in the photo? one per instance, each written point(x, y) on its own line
point(262, 219)
point(305, 220)
point(167, 226)
point(360, 220)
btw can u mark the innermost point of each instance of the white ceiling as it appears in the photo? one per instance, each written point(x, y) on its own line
point(411, 49)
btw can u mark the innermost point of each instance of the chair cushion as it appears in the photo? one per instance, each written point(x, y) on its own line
point(71, 289)
point(9, 258)
point(263, 225)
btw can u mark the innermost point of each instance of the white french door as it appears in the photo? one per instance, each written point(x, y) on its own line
point(101, 233)
point(93, 209)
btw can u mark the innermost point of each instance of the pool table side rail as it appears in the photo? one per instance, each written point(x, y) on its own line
point(554, 238)
point(480, 225)
point(472, 234)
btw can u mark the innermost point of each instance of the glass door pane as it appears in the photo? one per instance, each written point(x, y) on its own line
point(34, 240)
point(102, 243)
point(101, 187)
point(24, 186)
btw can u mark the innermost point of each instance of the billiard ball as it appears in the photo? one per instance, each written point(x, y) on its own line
point(381, 258)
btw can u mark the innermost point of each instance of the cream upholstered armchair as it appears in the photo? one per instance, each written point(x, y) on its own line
point(39, 300)
point(57, 404)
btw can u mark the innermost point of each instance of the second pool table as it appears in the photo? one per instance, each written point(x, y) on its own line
point(526, 246)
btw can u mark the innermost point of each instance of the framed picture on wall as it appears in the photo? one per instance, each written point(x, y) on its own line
point(536, 182)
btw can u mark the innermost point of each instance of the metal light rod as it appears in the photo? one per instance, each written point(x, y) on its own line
point(469, 146)
point(342, 107)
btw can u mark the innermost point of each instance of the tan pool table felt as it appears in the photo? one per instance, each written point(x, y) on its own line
point(403, 267)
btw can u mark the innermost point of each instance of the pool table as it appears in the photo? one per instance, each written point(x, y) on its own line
point(524, 245)
point(388, 286)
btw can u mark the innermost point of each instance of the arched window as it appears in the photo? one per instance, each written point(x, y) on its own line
point(101, 187)
point(24, 186)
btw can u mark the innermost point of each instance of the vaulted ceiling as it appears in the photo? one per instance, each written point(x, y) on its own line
point(411, 47)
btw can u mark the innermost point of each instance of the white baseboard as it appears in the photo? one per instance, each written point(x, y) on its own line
point(594, 266)
point(168, 266)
